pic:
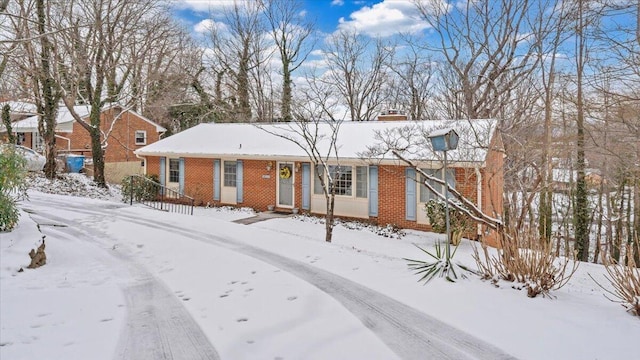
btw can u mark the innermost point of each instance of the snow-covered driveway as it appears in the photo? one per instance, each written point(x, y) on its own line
point(304, 312)
point(132, 282)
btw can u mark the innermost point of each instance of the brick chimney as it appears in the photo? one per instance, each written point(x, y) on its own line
point(392, 115)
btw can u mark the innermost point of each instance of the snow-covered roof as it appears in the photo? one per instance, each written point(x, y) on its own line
point(242, 140)
point(64, 121)
point(20, 107)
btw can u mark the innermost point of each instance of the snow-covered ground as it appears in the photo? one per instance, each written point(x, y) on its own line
point(108, 262)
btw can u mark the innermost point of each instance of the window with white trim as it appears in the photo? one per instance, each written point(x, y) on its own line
point(141, 137)
point(425, 194)
point(174, 170)
point(362, 180)
point(342, 179)
point(230, 168)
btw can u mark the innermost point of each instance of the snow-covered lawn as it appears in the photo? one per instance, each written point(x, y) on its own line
point(75, 306)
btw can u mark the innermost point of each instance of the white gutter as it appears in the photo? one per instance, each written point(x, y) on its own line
point(65, 138)
point(145, 162)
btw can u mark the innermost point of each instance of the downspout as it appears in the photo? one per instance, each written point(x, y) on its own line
point(479, 200)
point(145, 162)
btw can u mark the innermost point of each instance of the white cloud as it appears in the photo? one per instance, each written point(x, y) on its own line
point(385, 19)
point(207, 25)
point(337, 2)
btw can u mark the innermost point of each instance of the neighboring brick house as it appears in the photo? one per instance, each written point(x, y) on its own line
point(243, 165)
point(127, 131)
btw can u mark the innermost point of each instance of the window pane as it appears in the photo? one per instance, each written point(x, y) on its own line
point(361, 181)
point(317, 186)
point(425, 194)
point(342, 179)
point(230, 173)
point(141, 137)
point(174, 170)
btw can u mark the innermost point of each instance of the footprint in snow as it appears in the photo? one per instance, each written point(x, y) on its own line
point(242, 320)
point(43, 314)
point(224, 295)
point(186, 299)
point(248, 290)
point(106, 320)
point(291, 298)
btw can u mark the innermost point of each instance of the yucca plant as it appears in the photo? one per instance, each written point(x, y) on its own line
point(437, 265)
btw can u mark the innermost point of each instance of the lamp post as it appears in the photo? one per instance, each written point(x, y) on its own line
point(445, 140)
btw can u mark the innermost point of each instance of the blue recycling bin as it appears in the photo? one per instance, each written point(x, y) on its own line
point(75, 163)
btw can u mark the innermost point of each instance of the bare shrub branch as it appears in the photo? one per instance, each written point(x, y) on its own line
point(527, 260)
point(625, 280)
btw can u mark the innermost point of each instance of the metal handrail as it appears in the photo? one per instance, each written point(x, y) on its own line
point(158, 196)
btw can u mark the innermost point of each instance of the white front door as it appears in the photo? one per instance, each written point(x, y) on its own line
point(285, 185)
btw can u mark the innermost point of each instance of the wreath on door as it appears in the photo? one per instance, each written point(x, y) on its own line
point(285, 172)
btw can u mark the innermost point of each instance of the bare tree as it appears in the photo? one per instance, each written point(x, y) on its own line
point(550, 33)
point(484, 55)
point(290, 32)
point(96, 62)
point(318, 138)
point(356, 69)
point(236, 46)
point(585, 17)
point(409, 83)
point(33, 30)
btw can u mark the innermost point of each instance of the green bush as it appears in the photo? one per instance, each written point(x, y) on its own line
point(459, 222)
point(13, 186)
point(143, 188)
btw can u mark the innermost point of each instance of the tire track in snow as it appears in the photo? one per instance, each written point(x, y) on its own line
point(410, 333)
point(158, 326)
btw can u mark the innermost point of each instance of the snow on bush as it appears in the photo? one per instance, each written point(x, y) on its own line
point(72, 184)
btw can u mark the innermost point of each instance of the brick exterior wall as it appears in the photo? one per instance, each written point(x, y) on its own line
point(198, 179)
point(259, 187)
point(152, 165)
point(122, 142)
point(259, 191)
point(392, 199)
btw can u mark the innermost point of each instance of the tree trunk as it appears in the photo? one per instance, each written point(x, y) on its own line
point(286, 92)
point(581, 210)
point(596, 252)
point(96, 145)
point(328, 222)
point(6, 120)
point(48, 102)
